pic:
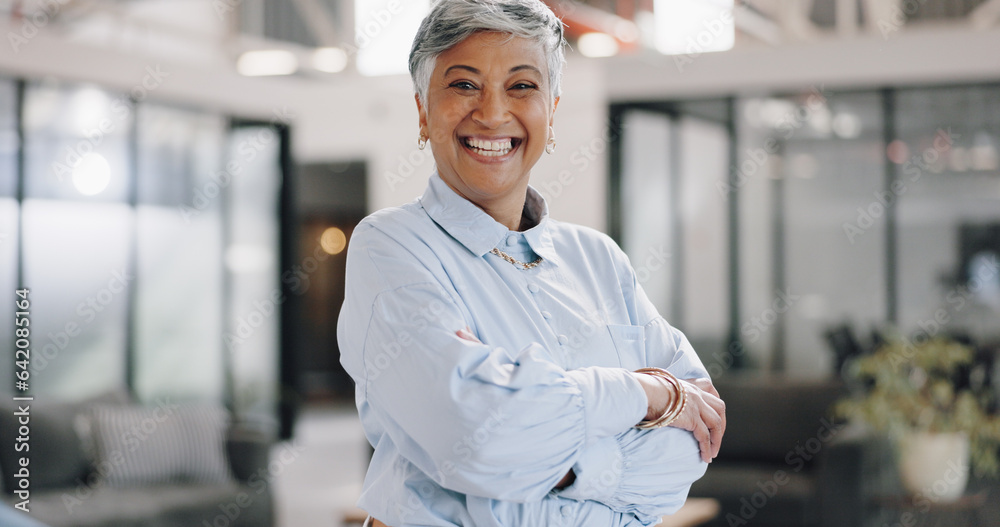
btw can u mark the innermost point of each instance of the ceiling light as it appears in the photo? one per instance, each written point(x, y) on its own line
point(267, 62)
point(384, 33)
point(597, 45)
point(91, 174)
point(330, 60)
point(694, 27)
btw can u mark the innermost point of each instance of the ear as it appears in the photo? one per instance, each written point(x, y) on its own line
point(552, 114)
point(422, 115)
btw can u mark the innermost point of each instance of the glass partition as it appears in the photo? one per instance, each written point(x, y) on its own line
point(149, 237)
point(948, 172)
point(178, 305)
point(833, 256)
point(255, 297)
point(649, 223)
point(670, 164)
point(703, 146)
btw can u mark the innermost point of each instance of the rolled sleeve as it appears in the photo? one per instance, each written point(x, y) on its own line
point(613, 400)
point(647, 473)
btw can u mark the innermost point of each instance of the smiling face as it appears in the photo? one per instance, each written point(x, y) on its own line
point(487, 115)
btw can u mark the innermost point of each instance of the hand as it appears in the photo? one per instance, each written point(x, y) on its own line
point(704, 415)
point(466, 333)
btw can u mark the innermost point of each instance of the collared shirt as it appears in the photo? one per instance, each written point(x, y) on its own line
point(478, 433)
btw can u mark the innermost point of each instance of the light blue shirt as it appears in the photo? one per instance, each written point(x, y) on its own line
point(478, 434)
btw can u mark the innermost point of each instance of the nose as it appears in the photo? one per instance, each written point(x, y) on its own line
point(492, 111)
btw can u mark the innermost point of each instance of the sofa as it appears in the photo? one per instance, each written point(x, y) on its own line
point(784, 461)
point(109, 462)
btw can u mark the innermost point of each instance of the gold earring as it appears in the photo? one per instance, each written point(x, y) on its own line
point(422, 142)
point(550, 145)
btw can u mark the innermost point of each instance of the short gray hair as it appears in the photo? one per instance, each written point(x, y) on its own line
point(452, 21)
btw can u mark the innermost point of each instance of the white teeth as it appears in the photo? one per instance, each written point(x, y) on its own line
point(490, 148)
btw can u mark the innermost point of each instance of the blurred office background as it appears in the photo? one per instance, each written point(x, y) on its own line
point(179, 181)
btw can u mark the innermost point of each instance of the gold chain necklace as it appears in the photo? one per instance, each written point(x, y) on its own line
point(511, 259)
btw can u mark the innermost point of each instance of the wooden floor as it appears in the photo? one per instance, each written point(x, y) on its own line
point(695, 511)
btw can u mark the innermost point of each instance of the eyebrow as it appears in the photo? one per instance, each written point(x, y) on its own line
point(477, 72)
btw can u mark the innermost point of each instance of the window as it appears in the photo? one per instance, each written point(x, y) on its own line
point(77, 237)
point(870, 208)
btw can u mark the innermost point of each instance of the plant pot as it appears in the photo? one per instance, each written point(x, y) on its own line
point(935, 466)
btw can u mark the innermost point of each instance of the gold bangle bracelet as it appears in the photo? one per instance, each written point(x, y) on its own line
point(676, 405)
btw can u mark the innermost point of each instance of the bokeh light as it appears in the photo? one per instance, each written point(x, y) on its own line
point(333, 240)
point(91, 174)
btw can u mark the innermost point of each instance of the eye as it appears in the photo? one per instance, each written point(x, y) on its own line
point(463, 85)
point(523, 86)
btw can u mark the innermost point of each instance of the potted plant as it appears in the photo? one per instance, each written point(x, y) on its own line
point(933, 400)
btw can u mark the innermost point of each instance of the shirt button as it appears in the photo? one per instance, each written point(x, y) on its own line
point(566, 510)
point(533, 288)
point(546, 314)
point(511, 240)
point(562, 339)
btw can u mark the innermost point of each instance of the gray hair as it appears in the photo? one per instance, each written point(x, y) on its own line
point(452, 21)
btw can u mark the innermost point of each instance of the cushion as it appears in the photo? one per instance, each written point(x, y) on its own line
point(163, 444)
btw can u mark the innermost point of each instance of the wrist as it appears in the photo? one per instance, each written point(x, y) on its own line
point(655, 402)
point(674, 393)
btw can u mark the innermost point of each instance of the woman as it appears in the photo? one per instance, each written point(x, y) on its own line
point(493, 347)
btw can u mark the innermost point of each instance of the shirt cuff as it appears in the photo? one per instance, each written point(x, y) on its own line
point(613, 400)
point(643, 472)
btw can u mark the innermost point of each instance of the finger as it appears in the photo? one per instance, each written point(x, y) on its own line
point(704, 438)
point(719, 406)
point(716, 440)
point(722, 415)
point(714, 421)
point(704, 385)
